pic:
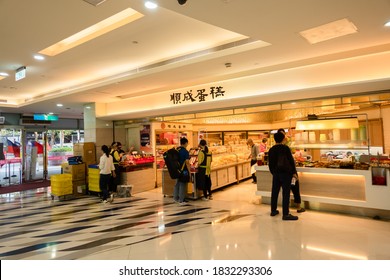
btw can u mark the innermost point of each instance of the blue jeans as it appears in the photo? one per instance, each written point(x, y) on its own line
point(179, 191)
point(284, 180)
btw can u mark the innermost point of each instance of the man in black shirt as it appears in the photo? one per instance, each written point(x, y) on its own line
point(282, 166)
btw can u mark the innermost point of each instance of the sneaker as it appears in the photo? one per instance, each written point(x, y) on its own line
point(210, 197)
point(183, 203)
point(274, 213)
point(290, 217)
point(205, 198)
point(105, 201)
point(301, 210)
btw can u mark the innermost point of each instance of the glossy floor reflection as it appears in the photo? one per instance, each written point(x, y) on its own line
point(149, 226)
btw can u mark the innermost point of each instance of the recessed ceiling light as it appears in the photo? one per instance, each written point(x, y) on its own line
point(387, 24)
point(39, 57)
point(3, 75)
point(150, 5)
point(59, 105)
point(122, 18)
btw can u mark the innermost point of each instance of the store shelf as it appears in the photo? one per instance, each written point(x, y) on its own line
point(330, 145)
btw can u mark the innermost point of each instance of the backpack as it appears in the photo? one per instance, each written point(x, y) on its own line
point(171, 158)
point(283, 165)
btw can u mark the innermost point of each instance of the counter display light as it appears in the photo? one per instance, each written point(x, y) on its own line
point(330, 123)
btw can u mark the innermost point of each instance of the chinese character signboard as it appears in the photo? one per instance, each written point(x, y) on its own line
point(201, 95)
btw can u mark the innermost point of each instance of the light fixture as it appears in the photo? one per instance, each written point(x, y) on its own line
point(39, 57)
point(124, 17)
point(59, 105)
point(182, 2)
point(150, 5)
point(387, 24)
point(327, 123)
point(3, 75)
point(329, 31)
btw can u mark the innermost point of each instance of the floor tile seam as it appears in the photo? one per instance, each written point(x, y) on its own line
point(106, 250)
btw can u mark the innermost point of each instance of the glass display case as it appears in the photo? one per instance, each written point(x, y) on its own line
point(213, 138)
point(229, 165)
point(234, 138)
point(335, 142)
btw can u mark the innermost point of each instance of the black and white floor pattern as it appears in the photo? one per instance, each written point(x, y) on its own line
point(150, 226)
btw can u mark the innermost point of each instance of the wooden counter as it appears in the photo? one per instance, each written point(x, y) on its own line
point(339, 187)
point(221, 176)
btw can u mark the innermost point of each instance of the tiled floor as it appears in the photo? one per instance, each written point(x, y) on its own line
point(149, 226)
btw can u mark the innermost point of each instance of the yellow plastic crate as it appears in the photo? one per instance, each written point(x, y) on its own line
point(61, 184)
point(93, 179)
point(93, 172)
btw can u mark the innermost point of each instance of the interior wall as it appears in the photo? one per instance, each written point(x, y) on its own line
point(385, 114)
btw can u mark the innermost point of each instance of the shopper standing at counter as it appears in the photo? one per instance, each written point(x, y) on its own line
point(107, 170)
point(294, 183)
point(180, 189)
point(253, 156)
point(203, 179)
point(282, 167)
point(116, 159)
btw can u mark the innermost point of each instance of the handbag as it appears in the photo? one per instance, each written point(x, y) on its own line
point(184, 175)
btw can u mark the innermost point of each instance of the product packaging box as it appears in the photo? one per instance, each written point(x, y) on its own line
point(78, 171)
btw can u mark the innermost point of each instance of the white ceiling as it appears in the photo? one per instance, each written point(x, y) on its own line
point(172, 47)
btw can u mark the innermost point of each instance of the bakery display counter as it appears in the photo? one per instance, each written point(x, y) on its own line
point(229, 166)
point(139, 173)
point(346, 189)
point(220, 177)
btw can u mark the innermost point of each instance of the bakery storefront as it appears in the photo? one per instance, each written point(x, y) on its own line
point(341, 154)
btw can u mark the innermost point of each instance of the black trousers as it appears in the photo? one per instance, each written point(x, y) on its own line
point(104, 182)
point(203, 182)
point(115, 181)
point(281, 180)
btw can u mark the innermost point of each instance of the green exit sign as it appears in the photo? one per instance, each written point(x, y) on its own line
point(45, 117)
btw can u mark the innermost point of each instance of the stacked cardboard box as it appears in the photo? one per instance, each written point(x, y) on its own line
point(78, 176)
point(87, 150)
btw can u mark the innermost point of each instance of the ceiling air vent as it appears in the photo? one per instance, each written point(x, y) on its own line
point(94, 2)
